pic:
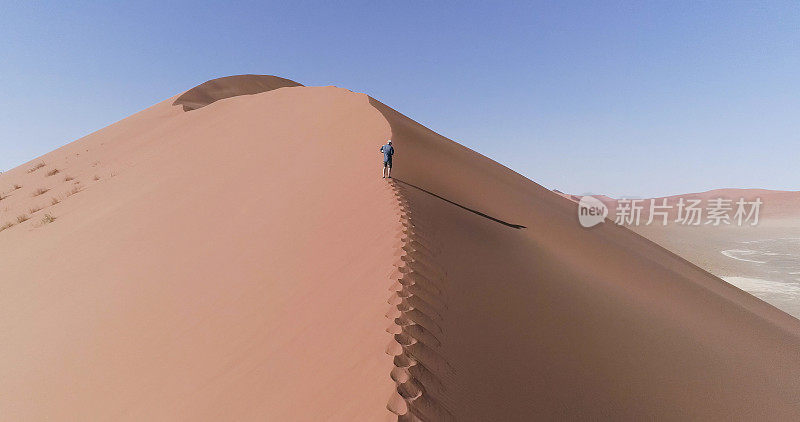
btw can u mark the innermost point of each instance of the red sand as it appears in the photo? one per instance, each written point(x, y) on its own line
point(237, 264)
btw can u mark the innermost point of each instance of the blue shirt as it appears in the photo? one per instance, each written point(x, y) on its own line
point(387, 151)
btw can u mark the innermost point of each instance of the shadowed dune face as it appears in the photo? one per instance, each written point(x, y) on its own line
point(230, 86)
point(555, 321)
point(247, 262)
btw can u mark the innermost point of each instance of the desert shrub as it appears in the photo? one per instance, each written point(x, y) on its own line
point(40, 191)
point(73, 191)
point(37, 166)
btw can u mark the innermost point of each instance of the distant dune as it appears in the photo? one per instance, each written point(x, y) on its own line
point(243, 260)
point(230, 86)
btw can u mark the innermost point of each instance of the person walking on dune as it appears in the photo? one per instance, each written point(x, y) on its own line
point(388, 151)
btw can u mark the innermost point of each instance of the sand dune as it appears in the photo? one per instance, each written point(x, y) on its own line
point(244, 261)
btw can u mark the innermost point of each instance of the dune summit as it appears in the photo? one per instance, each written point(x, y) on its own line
point(211, 265)
point(230, 86)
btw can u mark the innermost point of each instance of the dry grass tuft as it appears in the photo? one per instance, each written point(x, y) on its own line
point(73, 191)
point(15, 187)
point(48, 219)
point(8, 225)
point(22, 218)
point(33, 209)
point(38, 165)
point(54, 200)
point(40, 191)
point(68, 178)
point(52, 172)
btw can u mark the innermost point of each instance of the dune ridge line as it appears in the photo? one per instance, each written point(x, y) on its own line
point(418, 294)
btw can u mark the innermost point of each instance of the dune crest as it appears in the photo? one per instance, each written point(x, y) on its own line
point(417, 299)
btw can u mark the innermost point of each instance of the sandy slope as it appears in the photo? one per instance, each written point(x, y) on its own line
point(238, 264)
point(232, 268)
point(557, 321)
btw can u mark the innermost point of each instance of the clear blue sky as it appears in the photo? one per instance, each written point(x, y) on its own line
point(621, 98)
